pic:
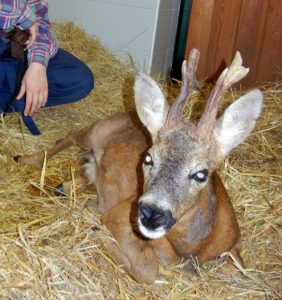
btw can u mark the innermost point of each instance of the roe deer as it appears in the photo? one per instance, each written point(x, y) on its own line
point(178, 208)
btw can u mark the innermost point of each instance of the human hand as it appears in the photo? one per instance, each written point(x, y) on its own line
point(32, 35)
point(35, 86)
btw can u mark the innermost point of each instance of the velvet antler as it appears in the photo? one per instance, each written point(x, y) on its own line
point(189, 82)
point(228, 77)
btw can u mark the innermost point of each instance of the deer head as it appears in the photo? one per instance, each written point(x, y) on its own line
point(183, 156)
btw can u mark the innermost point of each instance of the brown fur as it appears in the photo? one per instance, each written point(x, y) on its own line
point(166, 189)
point(119, 144)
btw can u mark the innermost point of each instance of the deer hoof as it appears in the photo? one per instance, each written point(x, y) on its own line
point(17, 158)
point(190, 267)
point(59, 190)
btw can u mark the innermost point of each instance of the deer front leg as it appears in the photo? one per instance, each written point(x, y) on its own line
point(130, 250)
point(228, 266)
point(212, 252)
point(233, 263)
point(165, 251)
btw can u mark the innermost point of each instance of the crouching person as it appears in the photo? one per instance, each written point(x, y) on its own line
point(44, 75)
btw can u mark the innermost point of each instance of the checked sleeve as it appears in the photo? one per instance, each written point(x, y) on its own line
point(23, 14)
point(16, 13)
point(45, 47)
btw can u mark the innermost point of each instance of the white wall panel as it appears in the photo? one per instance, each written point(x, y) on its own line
point(162, 53)
point(134, 27)
point(163, 30)
point(99, 18)
point(140, 3)
point(145, 29)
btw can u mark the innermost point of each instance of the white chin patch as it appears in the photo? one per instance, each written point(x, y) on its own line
point(151, 234)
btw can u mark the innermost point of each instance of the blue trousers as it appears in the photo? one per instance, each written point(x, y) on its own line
point(69, 80)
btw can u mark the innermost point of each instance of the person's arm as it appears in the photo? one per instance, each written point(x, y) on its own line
point(16, 13)
point(41, 47)
point(44, 47)
point(40, 50)
point(39, 54)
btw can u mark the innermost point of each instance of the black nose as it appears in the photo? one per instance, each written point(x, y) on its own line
point(152, 217)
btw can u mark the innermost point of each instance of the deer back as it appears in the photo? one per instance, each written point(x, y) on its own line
point(119, 144)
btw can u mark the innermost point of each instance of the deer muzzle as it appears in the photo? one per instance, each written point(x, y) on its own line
point(154, 222)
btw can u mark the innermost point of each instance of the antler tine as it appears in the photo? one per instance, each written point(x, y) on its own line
point(229, 76)
point(189, 82)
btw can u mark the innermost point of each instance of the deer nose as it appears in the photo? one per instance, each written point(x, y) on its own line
point(152, 217)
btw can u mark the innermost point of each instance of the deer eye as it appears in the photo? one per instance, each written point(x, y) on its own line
point(148, 161)
point(200, 176)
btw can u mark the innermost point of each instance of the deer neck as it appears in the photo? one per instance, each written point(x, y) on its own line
point(196, 224)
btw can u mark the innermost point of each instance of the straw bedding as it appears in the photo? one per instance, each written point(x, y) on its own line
point(49, 245)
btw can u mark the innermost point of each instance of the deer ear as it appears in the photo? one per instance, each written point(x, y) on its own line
point(150, 102)
point(238, 121)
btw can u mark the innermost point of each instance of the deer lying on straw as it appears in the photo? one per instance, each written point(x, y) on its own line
point(181, 208)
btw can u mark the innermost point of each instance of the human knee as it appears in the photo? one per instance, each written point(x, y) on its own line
point(69, 79)
point(86, 78)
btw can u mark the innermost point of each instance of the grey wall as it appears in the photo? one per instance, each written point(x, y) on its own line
point(145, 29)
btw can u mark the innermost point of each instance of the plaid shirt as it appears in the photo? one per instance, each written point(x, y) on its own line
point(23, 14)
